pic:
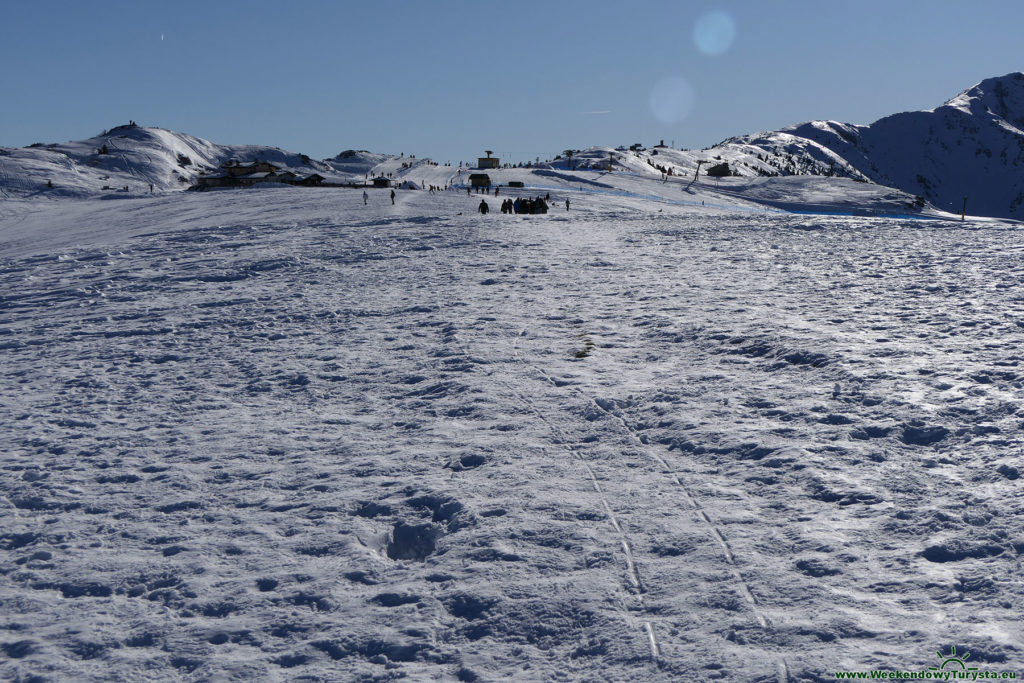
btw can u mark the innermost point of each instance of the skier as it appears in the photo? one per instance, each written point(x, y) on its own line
point(483, 208)
point(566, 203)
point(392, 196)
point(365, 197)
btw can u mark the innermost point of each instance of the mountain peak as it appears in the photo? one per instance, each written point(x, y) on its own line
point(972, 146)
point(1003, 96)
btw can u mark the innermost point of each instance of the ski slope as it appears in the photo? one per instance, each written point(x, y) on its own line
point(280, 435)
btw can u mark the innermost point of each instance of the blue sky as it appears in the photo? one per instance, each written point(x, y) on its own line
point(450, 78)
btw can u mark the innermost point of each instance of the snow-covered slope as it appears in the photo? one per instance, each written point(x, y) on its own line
point(129, 156)
point(972, 146)
point(357, 162)
point(286, 436)
point(136, 157)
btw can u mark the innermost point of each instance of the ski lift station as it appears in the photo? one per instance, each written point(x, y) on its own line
point(488, 161)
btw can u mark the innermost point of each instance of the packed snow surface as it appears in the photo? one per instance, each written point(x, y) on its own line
point(280, 435)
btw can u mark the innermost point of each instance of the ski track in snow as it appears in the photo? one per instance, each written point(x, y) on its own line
point(282, 436)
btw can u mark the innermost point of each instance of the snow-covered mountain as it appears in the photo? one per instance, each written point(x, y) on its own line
point(129, 156)
point(135, 157)
point(358, 162)
point(972, 146)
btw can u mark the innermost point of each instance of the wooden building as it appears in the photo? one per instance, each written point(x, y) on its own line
point(311, 180)
point(719, 170)
point(236, 169)
point(246, 174)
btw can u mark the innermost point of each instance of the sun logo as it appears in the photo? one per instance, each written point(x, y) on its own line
point(953, 660)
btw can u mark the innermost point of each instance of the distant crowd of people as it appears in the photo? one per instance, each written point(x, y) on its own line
point(527, 205)
point(522, 205)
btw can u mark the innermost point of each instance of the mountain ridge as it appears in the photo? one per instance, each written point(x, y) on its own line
point(962, 148)
point(970, 148)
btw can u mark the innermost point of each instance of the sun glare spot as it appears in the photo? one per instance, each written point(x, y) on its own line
point(714, 33)
point(671, 99)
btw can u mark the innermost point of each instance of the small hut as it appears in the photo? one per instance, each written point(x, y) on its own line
point(719, 170)
point(488, 161)
point(479, 180)
point(381, 181)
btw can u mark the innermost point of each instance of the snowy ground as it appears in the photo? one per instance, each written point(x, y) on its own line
point(282, 436)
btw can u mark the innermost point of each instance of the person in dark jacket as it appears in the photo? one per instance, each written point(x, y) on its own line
point(483, 208)
point(392, 196)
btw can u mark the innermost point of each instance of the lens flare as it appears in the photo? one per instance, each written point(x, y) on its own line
point(672, 100)
point(714, 33)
